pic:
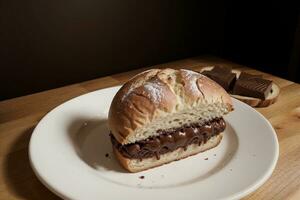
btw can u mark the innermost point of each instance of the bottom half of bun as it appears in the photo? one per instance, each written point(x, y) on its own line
point(137, 165)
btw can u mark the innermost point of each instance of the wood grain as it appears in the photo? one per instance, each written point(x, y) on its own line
point(19, 116)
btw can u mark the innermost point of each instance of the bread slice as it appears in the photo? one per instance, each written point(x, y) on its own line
point(256, 102)
point(252, 101)
point(136, 165)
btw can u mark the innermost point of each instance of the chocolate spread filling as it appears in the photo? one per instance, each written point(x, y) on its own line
point(170, 140)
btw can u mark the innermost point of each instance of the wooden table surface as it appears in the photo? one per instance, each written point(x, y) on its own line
point(19, 116)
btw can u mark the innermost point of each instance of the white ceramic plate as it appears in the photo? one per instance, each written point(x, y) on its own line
point(71, 154)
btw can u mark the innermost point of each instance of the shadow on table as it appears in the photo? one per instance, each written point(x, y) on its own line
point(18, 175)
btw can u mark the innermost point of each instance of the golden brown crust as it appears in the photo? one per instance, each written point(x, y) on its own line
point(126, 163)
point(122, 160)
point(159, 92)
point(268, 102)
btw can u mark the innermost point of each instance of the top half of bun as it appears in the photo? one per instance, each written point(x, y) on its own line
point(162, 99)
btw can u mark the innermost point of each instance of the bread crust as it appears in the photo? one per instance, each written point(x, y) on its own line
point(155, 93)
point(136, 165)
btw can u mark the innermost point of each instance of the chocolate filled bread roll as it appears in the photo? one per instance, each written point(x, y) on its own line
point(163, 115)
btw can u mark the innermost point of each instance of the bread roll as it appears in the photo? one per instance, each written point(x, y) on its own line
point(165, 103)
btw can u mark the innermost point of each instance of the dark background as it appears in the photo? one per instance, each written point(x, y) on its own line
point(47, 44)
